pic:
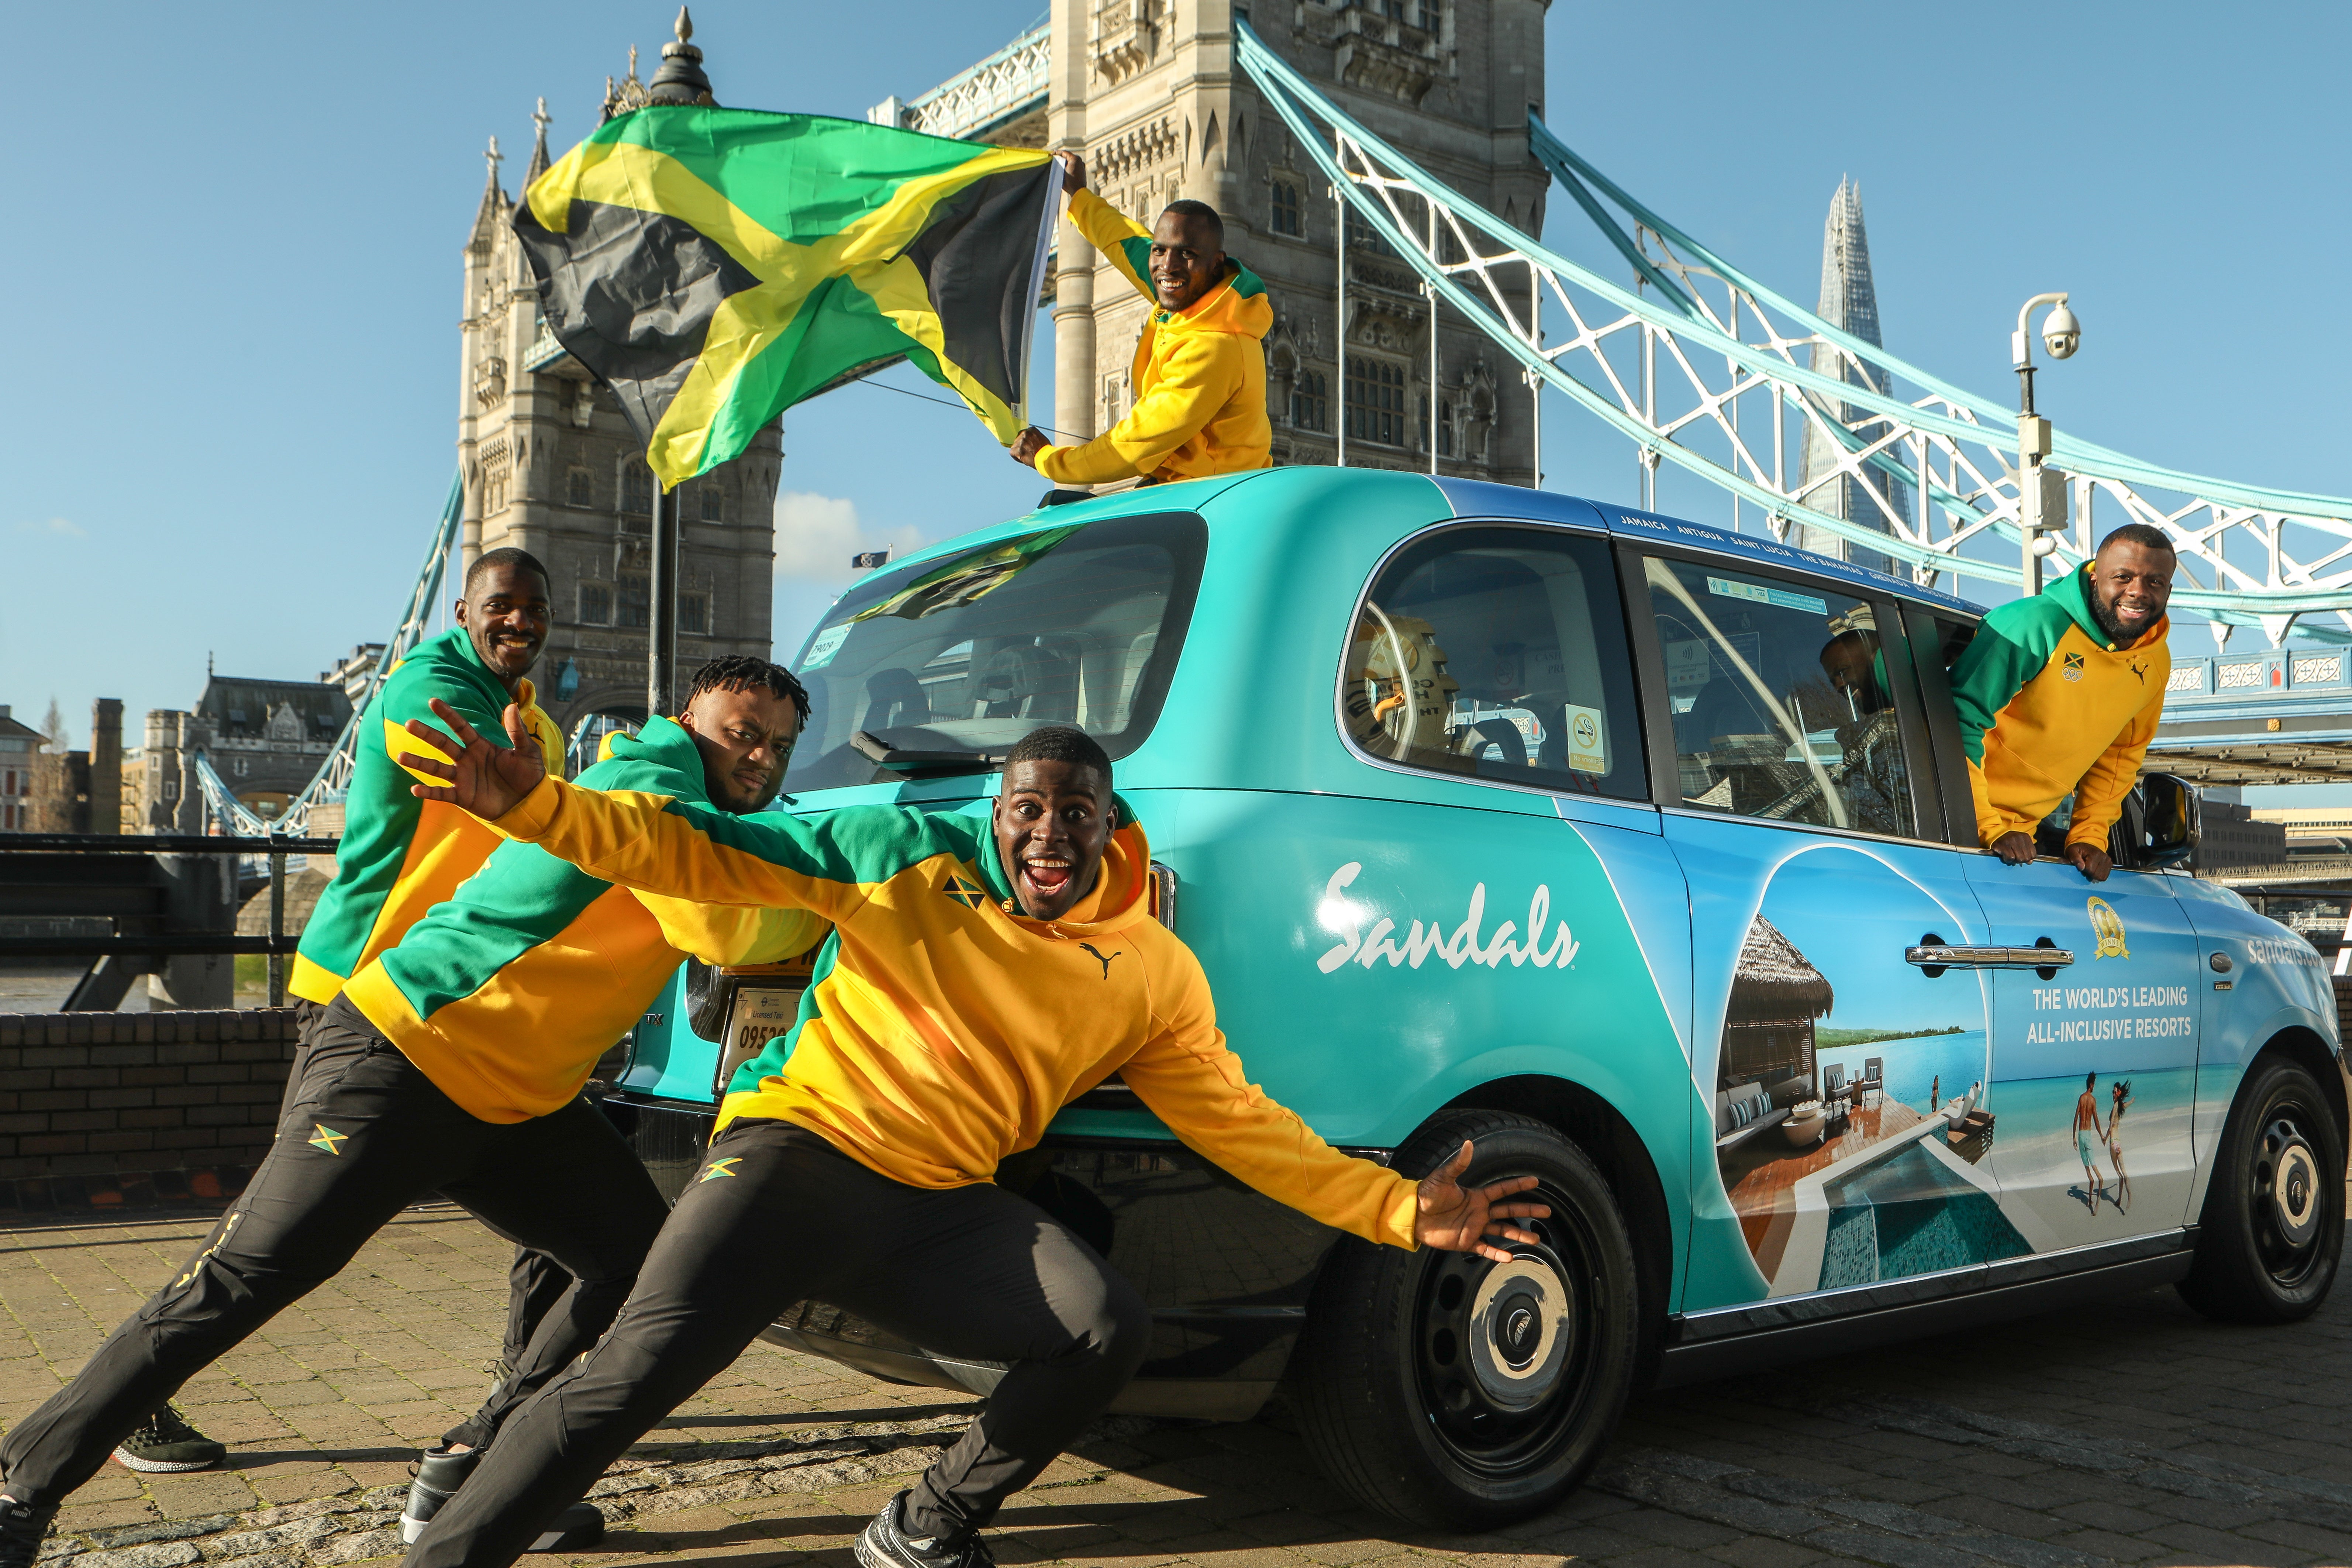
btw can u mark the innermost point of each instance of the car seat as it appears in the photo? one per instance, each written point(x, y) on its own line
point(895, 700)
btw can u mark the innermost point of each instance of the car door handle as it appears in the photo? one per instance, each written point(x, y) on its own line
point(1946, 957)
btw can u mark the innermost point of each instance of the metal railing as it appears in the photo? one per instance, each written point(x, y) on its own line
point(273, 848)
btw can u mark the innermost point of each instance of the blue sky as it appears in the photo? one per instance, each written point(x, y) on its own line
point(233, 416)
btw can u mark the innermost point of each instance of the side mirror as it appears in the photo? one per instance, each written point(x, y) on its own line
point(2159, 825)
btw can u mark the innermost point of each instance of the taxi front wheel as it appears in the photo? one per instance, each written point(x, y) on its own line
point(1450, 1391)
point(2271, 1233)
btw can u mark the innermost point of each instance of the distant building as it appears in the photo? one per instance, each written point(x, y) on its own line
point(19, 744)
point(2235, 836)
point(1850, 302)
point(266, 737)
point(354, 671)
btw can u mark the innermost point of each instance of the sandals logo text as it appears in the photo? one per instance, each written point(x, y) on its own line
point(1344, 917)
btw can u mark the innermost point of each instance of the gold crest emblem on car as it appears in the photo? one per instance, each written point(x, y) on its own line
point(2108, 927)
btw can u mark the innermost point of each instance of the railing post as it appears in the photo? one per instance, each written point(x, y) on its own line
point(277, 919)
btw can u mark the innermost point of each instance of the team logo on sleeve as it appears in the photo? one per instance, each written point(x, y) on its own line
point(963, 892)
point(2073, 670)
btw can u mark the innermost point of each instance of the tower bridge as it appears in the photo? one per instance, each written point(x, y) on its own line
point(1386, 165)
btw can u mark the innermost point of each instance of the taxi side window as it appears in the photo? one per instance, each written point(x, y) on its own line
point(1781, 699)
point(1499, 653)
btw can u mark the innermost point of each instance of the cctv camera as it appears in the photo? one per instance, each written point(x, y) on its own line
point(2062, 334)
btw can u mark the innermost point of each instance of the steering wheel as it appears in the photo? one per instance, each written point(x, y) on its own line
point(1500, 733)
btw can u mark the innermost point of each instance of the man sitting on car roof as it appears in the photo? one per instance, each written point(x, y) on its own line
point(1199, 367)
point(980, 976)
point(2060, 694)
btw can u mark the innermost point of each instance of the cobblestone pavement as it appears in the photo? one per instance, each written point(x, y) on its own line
point(2134, 1433)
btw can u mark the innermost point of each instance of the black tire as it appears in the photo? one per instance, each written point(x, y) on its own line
point(1406, 1389)
point(2271, 1233)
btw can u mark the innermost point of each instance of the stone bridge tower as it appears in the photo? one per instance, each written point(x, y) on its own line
point(1149, 91)
point(551, 466)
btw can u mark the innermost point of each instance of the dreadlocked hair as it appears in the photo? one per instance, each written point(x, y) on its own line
point(743, 672)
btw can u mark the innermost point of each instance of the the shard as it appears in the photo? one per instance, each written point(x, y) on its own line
point(1849, 300)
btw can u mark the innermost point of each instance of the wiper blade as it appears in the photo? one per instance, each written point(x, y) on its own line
point(880, 752)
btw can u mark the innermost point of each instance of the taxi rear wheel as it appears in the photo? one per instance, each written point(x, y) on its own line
point(2272, 1234)
point(1450, 1391)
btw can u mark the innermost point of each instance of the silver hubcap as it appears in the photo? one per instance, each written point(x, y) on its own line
point(2295, 1191)
point(1521, 1331)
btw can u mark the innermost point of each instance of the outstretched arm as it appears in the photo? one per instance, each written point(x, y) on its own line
point(1191, 1081)
point(656, 844)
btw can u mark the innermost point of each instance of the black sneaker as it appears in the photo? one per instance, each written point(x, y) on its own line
point(22, 1528)
point(167, 1445)
point(885, 1543)
point(438, 1475)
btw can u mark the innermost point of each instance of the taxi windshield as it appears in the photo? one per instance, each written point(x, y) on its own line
point(941, 666)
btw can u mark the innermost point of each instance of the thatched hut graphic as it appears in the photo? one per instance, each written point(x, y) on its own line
point(1767, 1029)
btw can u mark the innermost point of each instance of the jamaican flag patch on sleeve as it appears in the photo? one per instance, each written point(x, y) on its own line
point(714, 267)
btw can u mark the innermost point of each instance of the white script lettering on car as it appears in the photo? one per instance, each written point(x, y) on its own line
point(1344, 917)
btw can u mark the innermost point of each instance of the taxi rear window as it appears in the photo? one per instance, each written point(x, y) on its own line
point(1078, 624)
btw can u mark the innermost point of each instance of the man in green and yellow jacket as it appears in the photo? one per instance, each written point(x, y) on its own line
point(982, 972)
point(2060, 694)
point(1199, 365)
point(453, 1061)
point(401, 856)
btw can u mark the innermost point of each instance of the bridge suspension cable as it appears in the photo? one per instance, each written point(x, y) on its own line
point(1706, 341)
point(333, 779)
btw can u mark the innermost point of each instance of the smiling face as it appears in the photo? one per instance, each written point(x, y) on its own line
point(2131, 583)
point(1052, 821)
point(1186, 260)
point(505, 611)
point(745, 738)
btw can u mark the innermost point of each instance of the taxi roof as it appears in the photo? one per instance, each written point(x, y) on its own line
point(1479, 498)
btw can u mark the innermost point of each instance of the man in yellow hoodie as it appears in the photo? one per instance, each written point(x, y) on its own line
point(981, 973)
point(1199, 367)
point(2060, 694)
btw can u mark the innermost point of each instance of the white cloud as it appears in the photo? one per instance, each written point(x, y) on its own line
point(816, 535)
point(58, 525)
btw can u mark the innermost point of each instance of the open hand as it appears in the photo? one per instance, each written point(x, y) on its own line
point(1027, 445)
point(2091, 860)
point(2016, 848)
point(485, 780)
point(1456, 1219)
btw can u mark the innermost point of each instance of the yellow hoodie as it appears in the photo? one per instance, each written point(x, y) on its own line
point(943, 1029)
point(1198, 373)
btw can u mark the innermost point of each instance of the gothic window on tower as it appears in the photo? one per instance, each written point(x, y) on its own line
point(714, 504)
point(595, 603)
point(636, 600)
point(694, 614)
point(1310, 401)
point(1284, 218)
point(579, 487)
point(1375, 401)
point(637, 488)
point(1445, 430)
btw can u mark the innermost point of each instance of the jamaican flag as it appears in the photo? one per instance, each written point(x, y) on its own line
point(716, 265)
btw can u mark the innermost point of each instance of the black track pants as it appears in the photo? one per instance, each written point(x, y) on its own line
point(363, 1135)
point(777, 1215)
point(535, 1283)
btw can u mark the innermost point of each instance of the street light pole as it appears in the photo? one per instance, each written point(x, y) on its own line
point(2040, 493)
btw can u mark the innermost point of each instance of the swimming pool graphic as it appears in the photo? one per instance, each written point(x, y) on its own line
point(1851, 1111)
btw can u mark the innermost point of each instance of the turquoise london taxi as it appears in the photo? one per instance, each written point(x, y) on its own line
point(1639, 852)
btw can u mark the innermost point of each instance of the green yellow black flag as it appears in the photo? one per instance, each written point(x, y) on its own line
point(716, 265)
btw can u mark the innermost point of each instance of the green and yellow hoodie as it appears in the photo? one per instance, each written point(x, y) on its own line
point(2049, 706)
point(1199, 373)
point(400, 856)
point(943, 1028)
point(506, 995)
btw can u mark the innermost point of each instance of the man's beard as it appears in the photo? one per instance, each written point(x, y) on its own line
point(2103, 612)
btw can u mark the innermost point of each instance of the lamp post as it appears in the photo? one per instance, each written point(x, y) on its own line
point(2040, 494)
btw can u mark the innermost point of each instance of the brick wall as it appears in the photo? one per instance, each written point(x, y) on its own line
point(129, 1109)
